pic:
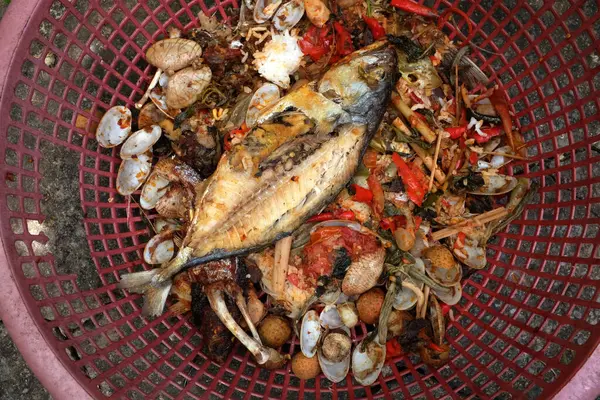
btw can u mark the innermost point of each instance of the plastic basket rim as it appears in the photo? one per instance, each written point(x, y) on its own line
point(26, 332)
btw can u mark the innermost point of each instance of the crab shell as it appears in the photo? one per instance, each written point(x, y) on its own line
point(114, 127)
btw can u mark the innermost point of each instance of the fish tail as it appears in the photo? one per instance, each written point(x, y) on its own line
point(155, 295)
point(168, 270)
point(180, 308)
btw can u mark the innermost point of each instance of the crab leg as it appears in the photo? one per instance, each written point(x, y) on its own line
point(152, 85)
point(217, 303)
point(241, 303)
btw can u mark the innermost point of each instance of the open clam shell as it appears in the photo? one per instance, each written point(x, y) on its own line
point(367, 361)
point(265, 9)
point(114, 127)
point(445, 276)
point(149, 115)
point(495, 185)
point(160, 248)
point(154, 188)
point(310, 333)
point(141, 141)
point(160, 101)
point(334, 355)
point(450, 295)
point(265, 96)
point(288, 15)
point(330, 317)
point(406, 298)
point(162, 223)
point(471, 254)
point(438, 323)
point(173, 54)
point(133, 173)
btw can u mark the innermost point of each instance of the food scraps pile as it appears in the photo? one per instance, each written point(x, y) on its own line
point(329, 171)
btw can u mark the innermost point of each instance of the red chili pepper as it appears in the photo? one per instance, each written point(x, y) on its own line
point(235, 132)
point(363, 195)
point(473, 157)
point(418, 221)
point(460, 240)
point(377, 192)
point(375, 27)
point(337, 214)
point(445, 308)
point(326, 216)
point(411, 181)
point(456, 131)
point(435, 347)
point(412, 7)
point(316, 42)
point(501, 106)
point(392, 349)
point(388, 224)
point(343, 40)
point(490, 133)
point(461, 143)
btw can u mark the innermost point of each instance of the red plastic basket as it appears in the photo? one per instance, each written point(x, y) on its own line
point(523, 328)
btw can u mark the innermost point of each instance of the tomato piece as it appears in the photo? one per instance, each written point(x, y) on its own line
point(343, 40)
point(316, 42)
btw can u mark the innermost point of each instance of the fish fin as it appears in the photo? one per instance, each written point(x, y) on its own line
point(155, 299)
point(137, 282)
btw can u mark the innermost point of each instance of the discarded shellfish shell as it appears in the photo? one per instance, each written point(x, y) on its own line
point(496, 184)
point(406, 299)
point(133, 173)
point(162, 223)
point(265, 9)
point(160, 101)
point(471, 254)
point(288, 15)
point(310, 332)
point(141, 141)
point(174, 203)
point(114, 127)
point(330, 317)
point(334, 355)
point(264, 96)
point(450, 295)
point(443, 268)
point(154, 188)
point(186, 86)
point(173, 54)
point(149, 115)
point(348, 314)
point(436, 317)
point(367, 361)
point(160, 248)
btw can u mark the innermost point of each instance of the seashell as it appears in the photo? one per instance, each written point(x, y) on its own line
point(406, 299)
point(163, 80)
point(471, 254)
point(443, 268)
point(174, 203)
point(310, 333)
point(154, 188)
point(141, 141)
point(173, 54)
point(334, 355)
point(149, 115)
point(133, 173)
point(288, 15)
point(367, 361)
point(186, 86)
point(265, 9)
point(495, 184)
point(450, 295)
point(348, 314)
point(438, 323)
point(330, 317)
point(114, 127)
point(265, 96)
point(317, 12)
point(363, 273)
point(162, 223)
point(160, 248)
point(160, 101)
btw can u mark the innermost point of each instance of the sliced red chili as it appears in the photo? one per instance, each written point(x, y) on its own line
point(326, 216)
point(343, 40)
point(456, 131)
point(414, 188)
point(473, 158)
point(316, 42)
point(412, 7)
point(375, 27)
point(489, 132)
point(361, 194)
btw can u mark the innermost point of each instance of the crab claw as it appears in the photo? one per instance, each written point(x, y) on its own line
point(266, 356)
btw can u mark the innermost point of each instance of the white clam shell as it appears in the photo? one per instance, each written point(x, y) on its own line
point(162, 223)
point(365, 369)
point(348, 314)
point(160, 248)
point(471, 254)
point(163, 80)
point(160, 101)
point(450, 295)
point(330, 318)
point(496, 184)
point(141, 141)
point(114, 127)
point(406, 298)
point(265, 96)
point(310, 332)
point(335, 371)
point(288, 15)
point(154, 188)
point(133, 173)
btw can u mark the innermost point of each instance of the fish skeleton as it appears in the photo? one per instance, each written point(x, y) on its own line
point(301, 154)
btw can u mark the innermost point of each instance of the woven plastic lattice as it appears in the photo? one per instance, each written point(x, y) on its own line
point(524, 326)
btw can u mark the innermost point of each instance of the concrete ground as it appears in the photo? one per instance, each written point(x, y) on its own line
point(17, 382)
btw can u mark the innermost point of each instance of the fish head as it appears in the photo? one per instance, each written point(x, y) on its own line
point(362, 82)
